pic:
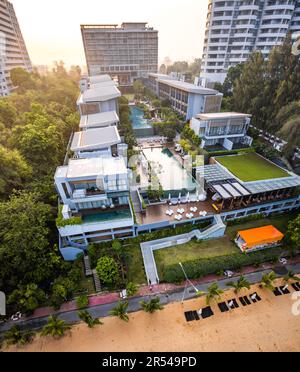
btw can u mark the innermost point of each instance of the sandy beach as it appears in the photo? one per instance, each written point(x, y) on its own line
point(262, 327)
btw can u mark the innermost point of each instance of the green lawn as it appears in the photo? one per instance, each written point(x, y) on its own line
point(193, 251)
point(217, 247)
point(135, 264)
point(251, 167)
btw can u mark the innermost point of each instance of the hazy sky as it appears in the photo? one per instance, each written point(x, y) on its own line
point(51, 28)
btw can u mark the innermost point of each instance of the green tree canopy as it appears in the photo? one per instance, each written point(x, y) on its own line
point(107, 270)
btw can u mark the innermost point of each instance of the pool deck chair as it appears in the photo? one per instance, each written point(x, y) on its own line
point(246, 299)
point(223, 307)
point(196, 315)
point(242, 301)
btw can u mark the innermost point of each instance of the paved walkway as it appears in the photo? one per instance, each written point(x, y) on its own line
point(102, 304)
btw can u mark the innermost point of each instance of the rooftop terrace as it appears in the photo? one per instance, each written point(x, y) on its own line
point(252, 167)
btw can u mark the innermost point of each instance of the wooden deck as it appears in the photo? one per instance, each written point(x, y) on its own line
point(157, 213)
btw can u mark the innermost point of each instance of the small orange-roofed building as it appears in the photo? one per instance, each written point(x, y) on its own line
point(258, 239)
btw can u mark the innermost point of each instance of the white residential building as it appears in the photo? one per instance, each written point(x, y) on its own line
point(126, 53)
point(13, 51)
point(100, 142)
point(97, 191)
point(185, 98)
point(235, 28)
point(227, 130)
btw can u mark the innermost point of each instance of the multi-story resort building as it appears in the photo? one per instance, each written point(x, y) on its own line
point(186, 99)
point(125, 53)
point(13, 52)
point(100, 200)
point(227, 130)
point(235, 28)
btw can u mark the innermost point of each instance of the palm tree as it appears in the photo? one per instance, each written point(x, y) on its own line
point(152, 306)
point(120, 311)
point(55, 327)
point(241, 284)
point(290, 277)
point(213, 293)
point(86, 317)
point(267, 281)
point(17, 337)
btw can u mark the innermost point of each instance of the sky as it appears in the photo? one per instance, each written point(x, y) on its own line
point(51, 28)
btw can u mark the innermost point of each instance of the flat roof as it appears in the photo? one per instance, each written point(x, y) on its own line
point(103, 84)
point(188, 87)
point(258, 187)
point(94, 167)
point(261, 235)
point(95, 139)
point(102, 119)
point(222, 115)
point(99, 79)
point(99, 94)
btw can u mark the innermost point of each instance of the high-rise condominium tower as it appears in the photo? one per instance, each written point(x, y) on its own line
point(235, 28)
point(13, 52)
point(125, 53)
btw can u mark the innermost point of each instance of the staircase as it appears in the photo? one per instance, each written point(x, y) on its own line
point(96, 281)
point(135, 201)
point(87, 266)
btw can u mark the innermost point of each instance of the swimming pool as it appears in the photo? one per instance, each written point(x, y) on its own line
point(122, 214)
point(137, 118)
point(170, 173)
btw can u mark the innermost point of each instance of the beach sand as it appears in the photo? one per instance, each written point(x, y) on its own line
point(263, 327)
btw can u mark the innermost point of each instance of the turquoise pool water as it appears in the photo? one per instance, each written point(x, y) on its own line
point(108, 216)
point(137, 118)
point(170, 173)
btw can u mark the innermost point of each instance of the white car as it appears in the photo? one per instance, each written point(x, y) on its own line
point(228, 273)
point(283, 261)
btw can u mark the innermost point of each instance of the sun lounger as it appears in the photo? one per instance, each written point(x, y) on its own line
point(223, 307)
point(277, 292)
point(255, 298)
point(196, 315)
point(285, 290)
point(189, 316)
point(243, 302)
point(236, 305)
point(207, 313)
point(246, 299)
point(296, 287)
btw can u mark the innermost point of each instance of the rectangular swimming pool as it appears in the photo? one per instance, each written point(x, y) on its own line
point(104, 216)
point(171, 175)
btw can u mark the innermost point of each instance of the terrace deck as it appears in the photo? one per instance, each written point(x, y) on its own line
point(157, 213)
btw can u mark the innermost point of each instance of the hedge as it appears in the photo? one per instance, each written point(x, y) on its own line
point(238, 221)
point(202, 267)
point(232, 152)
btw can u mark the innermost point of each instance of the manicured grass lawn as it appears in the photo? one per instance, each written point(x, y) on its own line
point(217, 247)
point(193, 251)
point(130, 97)
point(251, 167)
point(135, 264)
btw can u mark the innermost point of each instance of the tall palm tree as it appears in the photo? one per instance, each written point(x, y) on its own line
point(86, 317)
point(241, 284)
point(17, 337)
point(120, 311)
point(55, 327)
point(267, 281)
point(291, 277)
point(213, 293)
point(152, 306)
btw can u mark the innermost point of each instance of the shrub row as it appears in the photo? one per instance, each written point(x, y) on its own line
point(202, 267)
point(232, 152)
point(238, 221)
point(61, 222)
